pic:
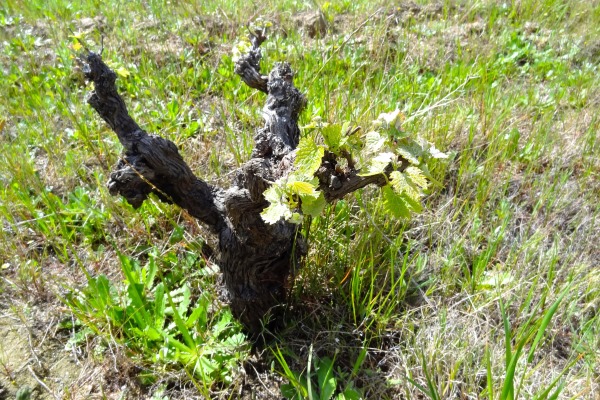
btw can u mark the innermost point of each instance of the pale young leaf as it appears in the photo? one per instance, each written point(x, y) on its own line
point(301, 188)
point(407, 155)
point(308, 157)
point(391, 119)
point(417, 177)
point(373, 142)
point(435, 153)
point(402, 186)
point(274, 193)
point(274, 212)
point(378, 164)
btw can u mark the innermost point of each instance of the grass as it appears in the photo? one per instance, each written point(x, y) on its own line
point(492, 292)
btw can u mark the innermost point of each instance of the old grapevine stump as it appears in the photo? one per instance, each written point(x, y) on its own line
point(256, 258)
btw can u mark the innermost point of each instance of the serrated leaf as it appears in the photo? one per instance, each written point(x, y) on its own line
point(333, 137)
point(416, 176)
point(394, 203)
point(406, 154)
point(274, 193)
point(391, 119)
point(301, 188)
point(275, 212)
point(378, 164)
point(373, 142)
point(312, 205)
point(296, 218)
point(308, 157)
point(413, 203)
point(402, 186)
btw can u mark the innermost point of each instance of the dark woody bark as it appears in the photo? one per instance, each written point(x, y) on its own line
point(256, 258)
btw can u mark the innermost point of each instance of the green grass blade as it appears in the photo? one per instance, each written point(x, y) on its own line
point(183, 330)
point(545, 322)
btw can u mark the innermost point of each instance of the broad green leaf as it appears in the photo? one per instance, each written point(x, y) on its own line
point(296, 218)
point(402, 186)
point(183, 330)
point(274, 193)
point(135, 293)
point(349, 394)
point(137, 306)
point(205, 367)
point(410, 157)
point(327, 383)
point(152, 334)
point(373, 142)
point(199, 313)
point(394, 204)
point(308, 156)
point(416, 176)
point(103, 289)
point(333, 137)
point(275, 212)
point(378, 164)
point(413, 204)
point(312, 205)
point(301, 188)
point(236, 340)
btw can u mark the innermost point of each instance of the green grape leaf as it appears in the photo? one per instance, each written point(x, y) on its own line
point(275, 211)
point(402, 186)
point(406, 154)
point(413, 203)
point(274, 193)
point(334, 139)
point(308, 156)
point(394, 203)
point(373, 142)
point(279, 207)
point(301, 188)
point(313, 205)
point(378, 164)
point(416, 176)
point(410, 150)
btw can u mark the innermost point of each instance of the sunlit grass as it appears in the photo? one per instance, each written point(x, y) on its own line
point(491, 293)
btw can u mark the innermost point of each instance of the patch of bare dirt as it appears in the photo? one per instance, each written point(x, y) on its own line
point(312, 23)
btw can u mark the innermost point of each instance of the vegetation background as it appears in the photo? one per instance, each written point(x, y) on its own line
point(491, 293)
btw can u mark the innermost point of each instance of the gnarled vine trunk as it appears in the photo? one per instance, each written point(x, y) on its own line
point(256, 258)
